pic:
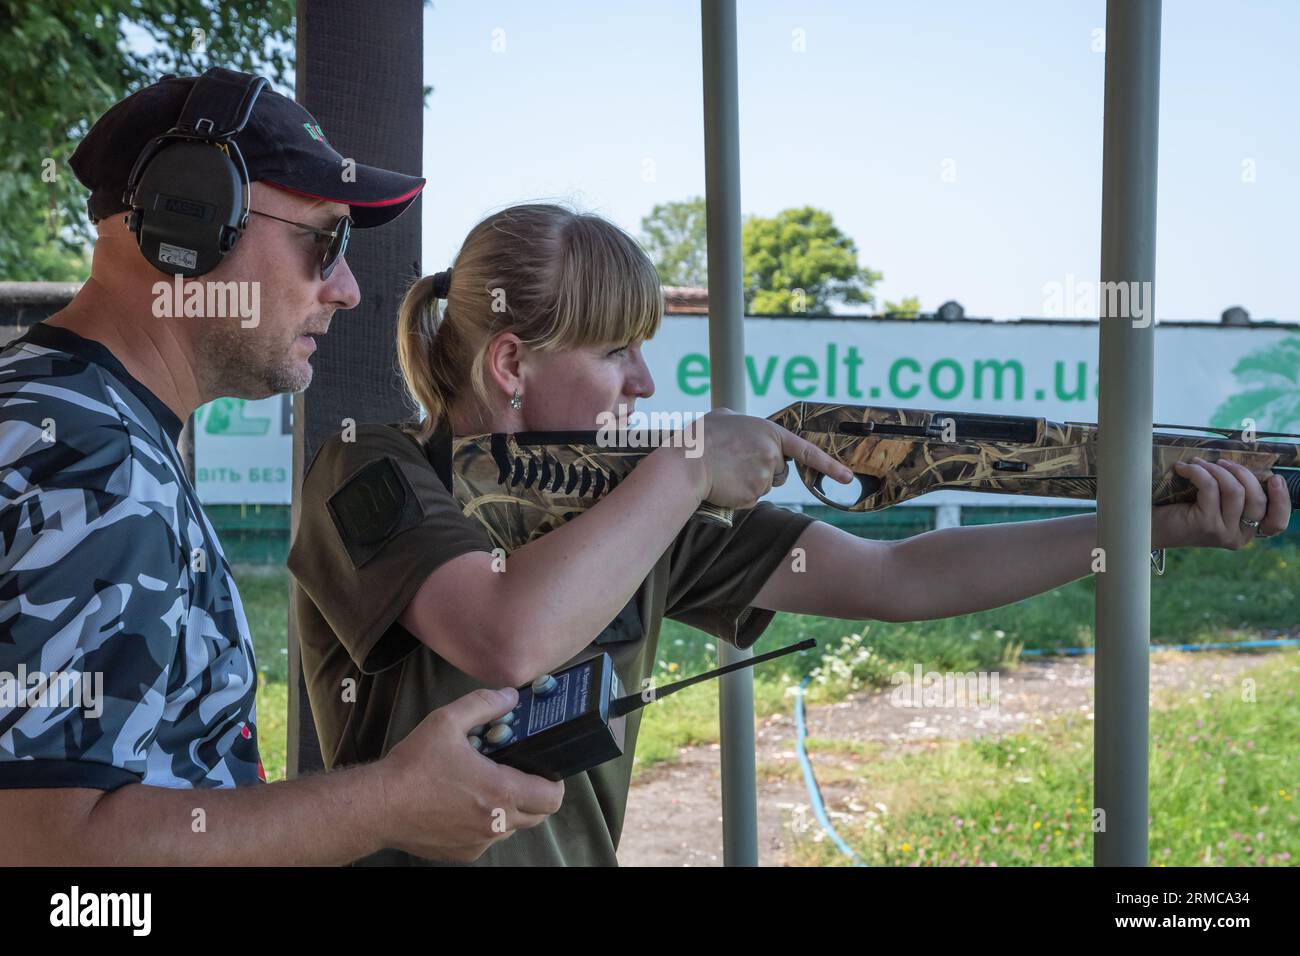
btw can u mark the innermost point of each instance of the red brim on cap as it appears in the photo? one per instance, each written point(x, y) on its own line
point(375, 196)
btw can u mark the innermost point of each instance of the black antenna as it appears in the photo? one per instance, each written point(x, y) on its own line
point(625, 705)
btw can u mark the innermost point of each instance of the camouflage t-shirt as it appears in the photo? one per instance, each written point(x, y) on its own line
point(125, 656)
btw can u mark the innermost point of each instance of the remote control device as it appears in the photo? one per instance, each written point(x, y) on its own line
point(573, 720)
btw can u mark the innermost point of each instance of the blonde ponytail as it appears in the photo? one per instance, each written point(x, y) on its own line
point(417, 329)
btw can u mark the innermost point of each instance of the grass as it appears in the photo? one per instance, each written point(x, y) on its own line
point(1226, 771)
point(1204, 596)
point(264, 591)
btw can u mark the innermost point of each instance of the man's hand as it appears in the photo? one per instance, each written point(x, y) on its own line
point(445, 801)
point(433, 795)
point(1226, 493)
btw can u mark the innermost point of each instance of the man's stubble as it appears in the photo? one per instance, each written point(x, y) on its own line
point(241, 363)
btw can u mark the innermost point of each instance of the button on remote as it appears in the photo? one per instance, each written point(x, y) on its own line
point(544, 685)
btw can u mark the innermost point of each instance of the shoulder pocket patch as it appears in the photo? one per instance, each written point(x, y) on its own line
point(373, 506)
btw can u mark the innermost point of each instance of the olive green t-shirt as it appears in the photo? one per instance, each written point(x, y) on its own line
point(351, 584)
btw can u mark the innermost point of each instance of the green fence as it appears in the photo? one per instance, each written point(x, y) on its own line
point(252, 534)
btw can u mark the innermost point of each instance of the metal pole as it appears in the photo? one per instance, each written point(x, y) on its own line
point(1128, 254)
point(371, 106)
point(726, 358)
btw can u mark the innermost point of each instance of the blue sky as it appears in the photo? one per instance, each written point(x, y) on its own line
point(1006, 97)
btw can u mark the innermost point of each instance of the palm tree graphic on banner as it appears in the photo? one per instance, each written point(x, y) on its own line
point(1271, 378)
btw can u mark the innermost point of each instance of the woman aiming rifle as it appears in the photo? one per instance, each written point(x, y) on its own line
point(402, 606)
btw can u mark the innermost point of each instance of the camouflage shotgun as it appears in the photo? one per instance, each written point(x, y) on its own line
point(544, 478)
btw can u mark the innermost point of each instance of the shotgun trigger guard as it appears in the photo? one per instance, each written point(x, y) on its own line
point(868, 485)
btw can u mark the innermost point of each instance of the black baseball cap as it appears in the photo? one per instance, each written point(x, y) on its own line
point(282, 145)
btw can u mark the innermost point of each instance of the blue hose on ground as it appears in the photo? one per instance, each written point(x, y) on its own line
point(1220, 646)
point(810, 781)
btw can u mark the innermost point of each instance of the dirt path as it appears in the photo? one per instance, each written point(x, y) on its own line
point(674, 816)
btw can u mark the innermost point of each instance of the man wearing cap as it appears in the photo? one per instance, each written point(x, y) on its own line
point(127, 679)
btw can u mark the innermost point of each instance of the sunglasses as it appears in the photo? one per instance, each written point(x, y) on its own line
point(334, 249)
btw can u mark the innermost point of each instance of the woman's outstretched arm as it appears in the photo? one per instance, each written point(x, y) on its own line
point(962, 570)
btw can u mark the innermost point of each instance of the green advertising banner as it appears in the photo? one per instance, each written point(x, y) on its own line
point(1206, 374)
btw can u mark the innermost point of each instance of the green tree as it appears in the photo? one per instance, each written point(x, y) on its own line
point(798, 261)
point(909, 308)
point(675, 237)
point(63, 64)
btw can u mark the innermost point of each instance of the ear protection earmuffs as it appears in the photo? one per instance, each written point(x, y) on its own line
point(188, 190)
